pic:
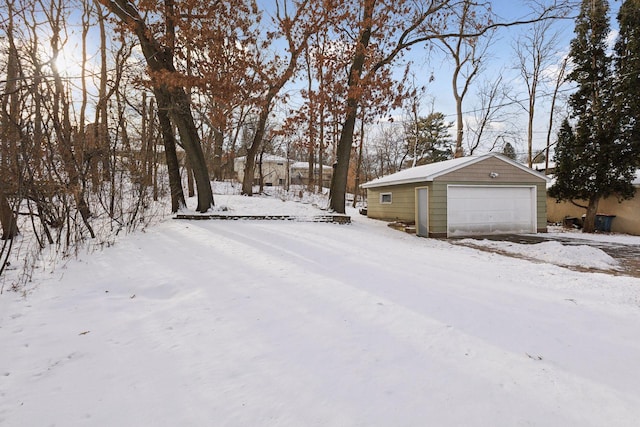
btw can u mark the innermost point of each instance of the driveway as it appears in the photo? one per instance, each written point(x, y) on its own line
point(627, 254)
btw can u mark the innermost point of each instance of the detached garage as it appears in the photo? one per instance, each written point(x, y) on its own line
point(476, 195)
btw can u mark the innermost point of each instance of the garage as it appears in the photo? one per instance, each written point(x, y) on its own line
point(467, 196)
point(473, 210)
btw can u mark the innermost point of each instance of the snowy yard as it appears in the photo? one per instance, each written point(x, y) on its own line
point(274, 323)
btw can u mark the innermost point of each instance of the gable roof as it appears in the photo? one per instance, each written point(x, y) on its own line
point(427, 173)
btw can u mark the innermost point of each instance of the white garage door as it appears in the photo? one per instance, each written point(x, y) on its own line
point(490, 210)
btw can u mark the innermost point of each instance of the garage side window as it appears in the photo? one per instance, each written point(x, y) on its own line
point(385, 198)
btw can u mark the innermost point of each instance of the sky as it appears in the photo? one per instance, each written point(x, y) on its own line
point(502, 59)
point(282, 323)
point(434, 70)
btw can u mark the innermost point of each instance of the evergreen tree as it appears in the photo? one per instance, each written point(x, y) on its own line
point(595, 162)
point(509, 151)
point(627, 67)
point(429, 140)
point(567, 165)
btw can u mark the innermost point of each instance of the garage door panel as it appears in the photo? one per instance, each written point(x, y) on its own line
point(490, 210)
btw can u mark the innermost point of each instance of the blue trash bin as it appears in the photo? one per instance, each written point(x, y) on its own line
point(603, 222)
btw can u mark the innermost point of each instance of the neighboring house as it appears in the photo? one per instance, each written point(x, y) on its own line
point(278, 170)
point(300, 173)
point(626, 214)
point(478, 195)
point(541, 167)
point(274, 169)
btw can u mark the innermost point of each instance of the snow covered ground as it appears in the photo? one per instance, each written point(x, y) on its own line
point(279, 323)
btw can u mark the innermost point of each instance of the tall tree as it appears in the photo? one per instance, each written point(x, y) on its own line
point(428, 140)
point(560, 78)
point(467, 53)
point(380, 33)
point(489, 115)
point(627, 67)
point(159, 51)
point(9, 133)
point(595, 163)
point(509, 151)
point(296, 22)
point(534, 52)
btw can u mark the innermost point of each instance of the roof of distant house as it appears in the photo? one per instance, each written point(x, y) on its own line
point(294, 164)
point(305, 165)
point(540, 167)
point(266, 158)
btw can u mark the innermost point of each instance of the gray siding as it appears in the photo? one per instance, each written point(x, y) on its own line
point(479, 173)
point(403, 196)
point(402, 207)
point(438, 209)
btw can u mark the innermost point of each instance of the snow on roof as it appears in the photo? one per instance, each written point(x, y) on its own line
point(305, 165)
point(266, 158)
point(280, 159)
point(542, 166)
point(428, 172)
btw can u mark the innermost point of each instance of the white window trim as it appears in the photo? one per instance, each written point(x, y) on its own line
point(382, 202)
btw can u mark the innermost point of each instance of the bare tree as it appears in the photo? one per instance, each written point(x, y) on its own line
point(490, 116)
point(381, 32)
point(170, 95)
point(295, 27)
point(467, 53)
point(560, 79)
point(535, 51)
point(9, 116)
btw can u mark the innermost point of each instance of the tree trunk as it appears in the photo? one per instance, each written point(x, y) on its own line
point(532, 106)
point(7, 218)
point(260, 173)
point(338, 189)
point(176, 103)
point(9, 134)
point(189, 173)
point(249, 172)
point(358, 164)
point(182, 117)
point(320, 179)
point(589, 225)
point(252, 151)
point(171, 157)
point(343, 151)
point(102, 113)
point(556, 89)
point(218, 140)
point(311, 166)
point(459, 151)
point(312, 126)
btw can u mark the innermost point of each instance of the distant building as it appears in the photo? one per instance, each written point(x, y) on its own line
point(541, 167)
point(278, 171)
point(300, 173)
point(624, 214)
point(475, 195)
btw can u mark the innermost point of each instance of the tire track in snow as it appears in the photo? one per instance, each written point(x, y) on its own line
point(427, 336)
